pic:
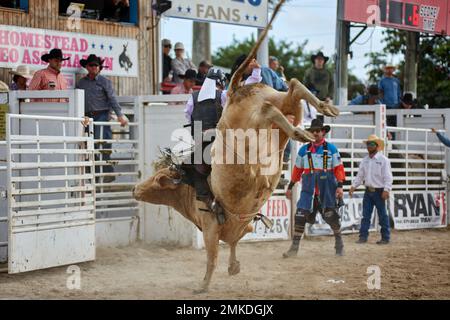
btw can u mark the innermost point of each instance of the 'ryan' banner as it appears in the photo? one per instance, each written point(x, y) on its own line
point(252, 13)
point(25, 46)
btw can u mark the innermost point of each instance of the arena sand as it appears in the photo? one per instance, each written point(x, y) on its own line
point(415, 266)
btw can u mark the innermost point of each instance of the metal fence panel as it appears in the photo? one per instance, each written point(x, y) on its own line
point(51, 193)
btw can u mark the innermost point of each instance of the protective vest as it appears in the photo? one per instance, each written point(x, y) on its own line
point(207, 111)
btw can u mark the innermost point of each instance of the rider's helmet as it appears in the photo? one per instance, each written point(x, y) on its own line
point(217, 75)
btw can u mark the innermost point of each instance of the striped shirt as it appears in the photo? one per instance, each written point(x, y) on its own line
point(333, 163)
point(99, 95)
point(48, 79)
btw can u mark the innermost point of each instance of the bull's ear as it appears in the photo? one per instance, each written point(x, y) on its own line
point(166, 182)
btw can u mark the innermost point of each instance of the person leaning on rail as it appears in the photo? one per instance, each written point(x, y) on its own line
point(442, 137)
point(100, 98)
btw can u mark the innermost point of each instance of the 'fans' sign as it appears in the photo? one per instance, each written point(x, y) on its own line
point(238, 12)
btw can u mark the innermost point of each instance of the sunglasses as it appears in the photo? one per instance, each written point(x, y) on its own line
point(372, 144)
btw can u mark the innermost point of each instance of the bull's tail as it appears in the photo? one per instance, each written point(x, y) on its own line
point(234, 83)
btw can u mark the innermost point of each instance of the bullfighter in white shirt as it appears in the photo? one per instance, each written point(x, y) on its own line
point(375, 173)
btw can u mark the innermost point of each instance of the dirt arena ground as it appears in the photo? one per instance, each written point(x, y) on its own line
point(415, 266)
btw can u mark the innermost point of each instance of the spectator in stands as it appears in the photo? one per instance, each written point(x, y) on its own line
point(100, 99)
point(269, 77)
point(442, 137)
point(408, 101)
point(390, 90)
point(391, 94)
point(274, 64)
point(186, 87)
point(167, 60)
point(319, 78)
point(20, 77)
point(203, 69)
point(372, 97)
point(180, 64)
point(117, 10)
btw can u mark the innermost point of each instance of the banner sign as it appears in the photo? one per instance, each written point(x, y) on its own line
point(25, 46)
point(419, 209)
point(277, 209)
point(252, 13)
point(430, 16)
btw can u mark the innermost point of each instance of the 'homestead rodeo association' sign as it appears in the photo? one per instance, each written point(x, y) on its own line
point(25, 46)
point(252, 13)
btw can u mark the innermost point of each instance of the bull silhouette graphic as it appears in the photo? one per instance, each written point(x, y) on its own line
point(124, 59)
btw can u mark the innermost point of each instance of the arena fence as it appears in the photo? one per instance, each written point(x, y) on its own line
point(419, 165)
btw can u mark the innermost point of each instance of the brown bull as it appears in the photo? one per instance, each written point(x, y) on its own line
point(241, 188)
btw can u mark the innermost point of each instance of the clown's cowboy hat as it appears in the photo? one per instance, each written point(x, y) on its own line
point(377, 140)
point(92, 59)
point(22, 71)
point(317, 124)
point(53, 54)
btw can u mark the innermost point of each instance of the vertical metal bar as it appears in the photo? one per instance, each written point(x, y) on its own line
point(9, 186)
point(65, 161)
point(426, 160)
point(140, 112)
point(38, 146)
point(352, 154)
point(407, 159)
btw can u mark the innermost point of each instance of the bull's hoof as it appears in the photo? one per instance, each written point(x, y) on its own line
point(302, 135)
point(234, 268)
point(329, 110)
point(200, 291)
point(292, 252)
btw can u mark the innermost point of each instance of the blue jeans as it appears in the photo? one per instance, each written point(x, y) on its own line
point(370, 200)
point(107, 135)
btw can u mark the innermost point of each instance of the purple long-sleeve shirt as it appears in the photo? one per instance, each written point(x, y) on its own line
point(254, 78)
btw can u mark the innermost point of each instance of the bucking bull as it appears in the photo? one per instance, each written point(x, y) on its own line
point(241, 188)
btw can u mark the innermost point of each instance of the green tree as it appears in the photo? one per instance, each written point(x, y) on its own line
point(292, 56)
point(375, 66)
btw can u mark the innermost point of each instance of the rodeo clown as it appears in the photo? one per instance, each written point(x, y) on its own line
point(319, 167)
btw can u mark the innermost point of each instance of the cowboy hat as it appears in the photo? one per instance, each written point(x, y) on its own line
point(22, 71)
point(53, 54)
point(319, 55)
point(377, 140)
point(179, 46)
point(92, 59)
point(166, 42)
point(3, 87)
point(318, 124)
point(190, 74)
point(408, 98)
point(389, 66)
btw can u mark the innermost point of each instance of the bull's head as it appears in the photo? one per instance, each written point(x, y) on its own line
point(157, 189)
